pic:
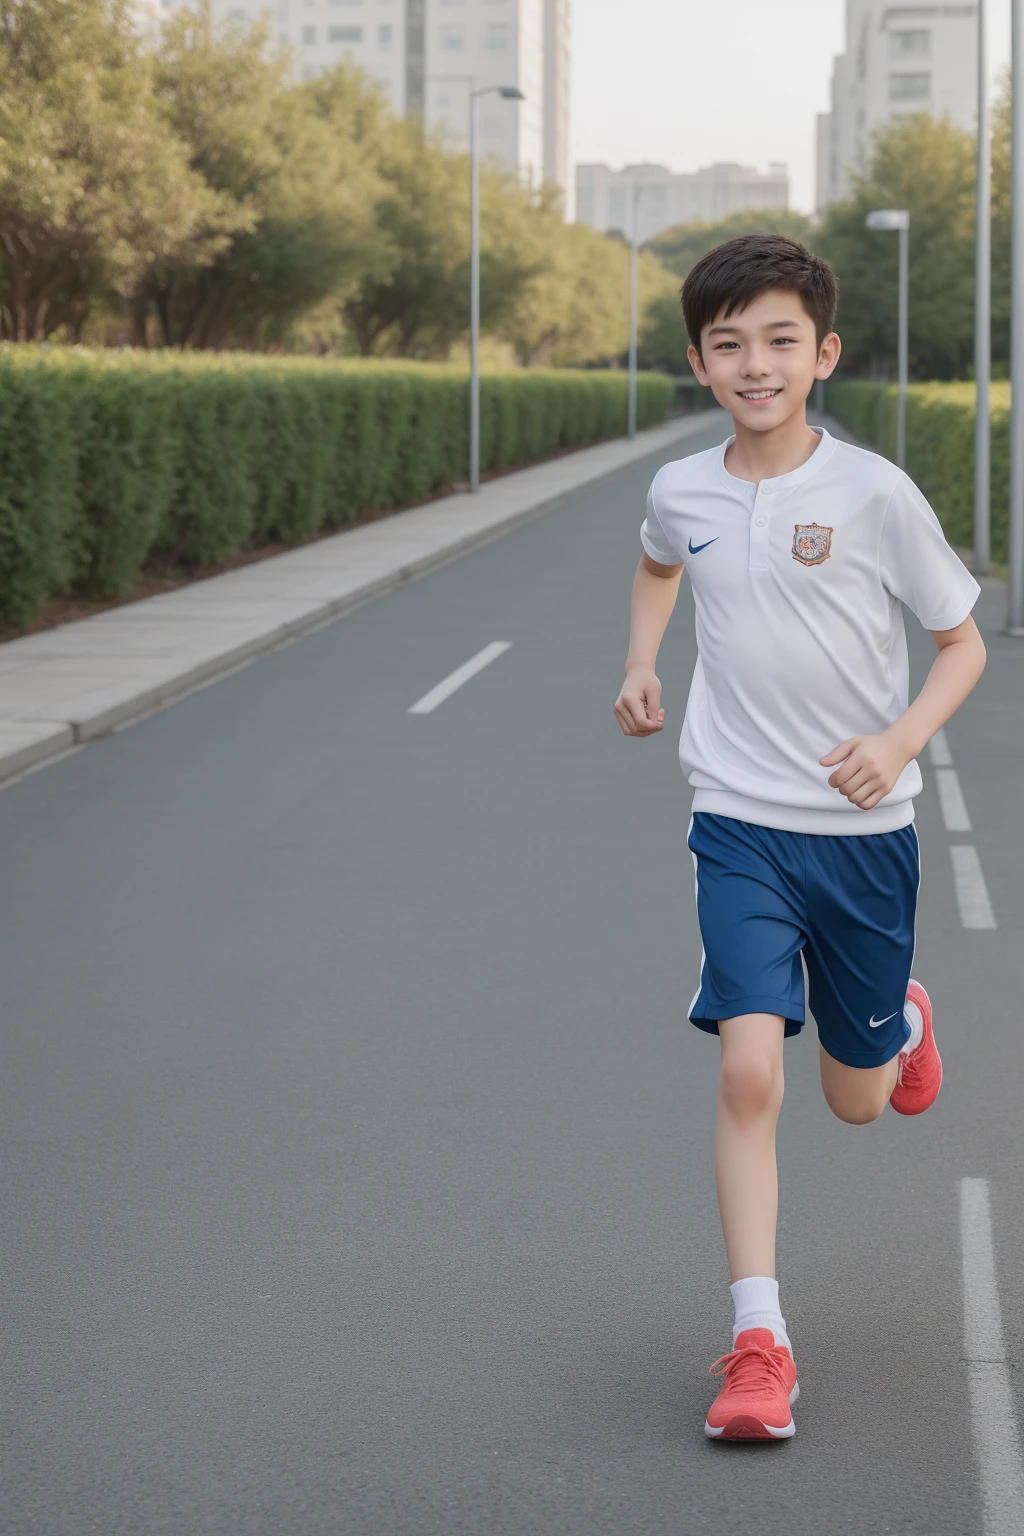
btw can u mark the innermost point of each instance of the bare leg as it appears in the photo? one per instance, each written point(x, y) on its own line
point(750, 1088)
point(856, 1094)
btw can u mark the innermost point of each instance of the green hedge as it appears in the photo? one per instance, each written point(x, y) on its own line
point(940, 446)
point(115, 462)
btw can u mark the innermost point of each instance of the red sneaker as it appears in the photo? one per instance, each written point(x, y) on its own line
point(919, 1075)
point(758, 1387)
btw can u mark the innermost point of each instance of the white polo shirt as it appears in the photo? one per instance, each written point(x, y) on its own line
point(797, 584)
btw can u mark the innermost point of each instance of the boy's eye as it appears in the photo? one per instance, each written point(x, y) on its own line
point(783, 341)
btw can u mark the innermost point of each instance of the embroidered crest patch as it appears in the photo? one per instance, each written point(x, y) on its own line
point(811, 543)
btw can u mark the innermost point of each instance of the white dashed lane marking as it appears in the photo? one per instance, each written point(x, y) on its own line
point(447, 686)
point(951, 799)
point(938, 747)
point(972, 896)
point(971, 891)
point(996, 1440)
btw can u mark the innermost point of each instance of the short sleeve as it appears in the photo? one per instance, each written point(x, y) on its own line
point(653, 536)
point(917, 565)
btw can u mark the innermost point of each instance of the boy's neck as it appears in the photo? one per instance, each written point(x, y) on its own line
point(760, 456)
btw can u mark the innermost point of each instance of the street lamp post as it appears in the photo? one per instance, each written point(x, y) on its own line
point(507, 93)
point(474, 296)
point(634, 283)
point(899, 219)
point(982, 312)
point(1015, 615)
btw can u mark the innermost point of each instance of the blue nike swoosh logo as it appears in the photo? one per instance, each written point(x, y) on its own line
point(695, 549)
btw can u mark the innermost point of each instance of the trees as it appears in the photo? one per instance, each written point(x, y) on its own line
point(191, 182)
point(413, 302)
point(295, 185)
point(663, 338)
point(927, 165)
point(681, 247)
point(184, 190)
point(575, 307)
point(91, 188)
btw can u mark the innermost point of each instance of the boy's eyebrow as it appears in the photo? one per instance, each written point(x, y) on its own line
point(773, 325)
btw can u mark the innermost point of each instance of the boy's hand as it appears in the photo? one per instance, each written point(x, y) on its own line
point(868, 767)
point(638, 707)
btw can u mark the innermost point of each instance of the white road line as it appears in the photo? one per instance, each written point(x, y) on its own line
point(938, 748)
point(470, 668)
point(996, 1440)
point(971, 891)
point(951, 799)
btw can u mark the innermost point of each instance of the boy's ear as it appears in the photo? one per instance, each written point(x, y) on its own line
point(828, 356)
point(697, 364)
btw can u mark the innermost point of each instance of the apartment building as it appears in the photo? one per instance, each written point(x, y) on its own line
point(476, 44)
point(899, 59)
point(427, 55)
point(604, 198)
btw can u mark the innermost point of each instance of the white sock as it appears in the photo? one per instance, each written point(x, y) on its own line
point(912, 1014)
point(756, 1303)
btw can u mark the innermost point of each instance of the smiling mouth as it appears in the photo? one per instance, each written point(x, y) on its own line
point(759, 394)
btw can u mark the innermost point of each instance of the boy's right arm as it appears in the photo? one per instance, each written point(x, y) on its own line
point(655, 589)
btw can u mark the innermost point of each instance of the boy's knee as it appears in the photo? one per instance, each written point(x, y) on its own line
point(750, 1084)
point(859, 1110)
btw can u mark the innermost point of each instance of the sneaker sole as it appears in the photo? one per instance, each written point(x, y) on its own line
point(746, 1426)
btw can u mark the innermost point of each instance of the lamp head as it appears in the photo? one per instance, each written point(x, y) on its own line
point(511, 93)
point(888, 218)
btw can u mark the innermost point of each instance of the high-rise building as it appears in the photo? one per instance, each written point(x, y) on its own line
point(604, 198)
point(899, 59)
point(426, 56)
point(557, 52)
point(485, 43)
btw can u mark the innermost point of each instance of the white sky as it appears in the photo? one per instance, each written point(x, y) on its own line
point(686, 82)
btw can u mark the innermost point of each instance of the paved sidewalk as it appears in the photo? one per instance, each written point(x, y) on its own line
point(68, 685)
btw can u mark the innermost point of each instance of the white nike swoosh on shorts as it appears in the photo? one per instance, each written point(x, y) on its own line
point(874, 1023)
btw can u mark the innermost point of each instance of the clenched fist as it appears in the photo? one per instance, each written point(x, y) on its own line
point(868, 767)
point(638, 707)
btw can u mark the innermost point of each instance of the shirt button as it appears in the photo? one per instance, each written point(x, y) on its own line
point(767, 490)
point(760, 522)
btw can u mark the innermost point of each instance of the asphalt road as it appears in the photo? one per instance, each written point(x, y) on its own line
point(357, 1155)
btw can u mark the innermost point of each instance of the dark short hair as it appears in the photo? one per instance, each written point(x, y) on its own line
point(734, 274)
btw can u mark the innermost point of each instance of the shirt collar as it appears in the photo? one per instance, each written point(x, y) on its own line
point(820, 456)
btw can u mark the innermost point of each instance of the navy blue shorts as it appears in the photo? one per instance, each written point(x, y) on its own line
point(847, 905)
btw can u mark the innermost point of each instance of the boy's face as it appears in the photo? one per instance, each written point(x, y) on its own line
point(762, 361)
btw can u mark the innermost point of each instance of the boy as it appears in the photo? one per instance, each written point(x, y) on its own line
point(801, 749)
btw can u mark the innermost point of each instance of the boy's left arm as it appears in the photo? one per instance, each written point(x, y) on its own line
point(867, 767)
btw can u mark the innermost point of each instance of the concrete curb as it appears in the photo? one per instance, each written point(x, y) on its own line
point(72, 708)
